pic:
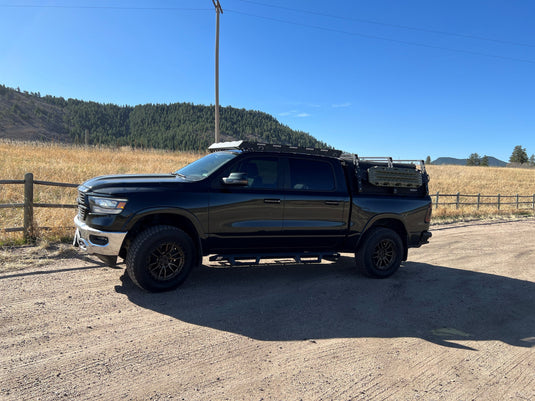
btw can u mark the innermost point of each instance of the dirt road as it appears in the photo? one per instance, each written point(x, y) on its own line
point(457, 322)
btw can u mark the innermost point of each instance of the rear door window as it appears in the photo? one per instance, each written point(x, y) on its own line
point(311, 175)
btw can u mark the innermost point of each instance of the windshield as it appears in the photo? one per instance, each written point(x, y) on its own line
point(205, 166)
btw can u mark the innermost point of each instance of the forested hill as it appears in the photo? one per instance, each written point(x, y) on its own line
point(177, 126)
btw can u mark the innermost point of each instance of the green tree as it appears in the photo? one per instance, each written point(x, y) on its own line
point(428, 160)
point(532, 160)
point(484, 161)
point(177, 126)
point(473, 160)
point(519, 155)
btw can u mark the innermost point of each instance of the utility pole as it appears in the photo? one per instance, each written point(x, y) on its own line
point(218, 10)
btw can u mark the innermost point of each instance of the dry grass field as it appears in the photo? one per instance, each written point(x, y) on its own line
point(68, 164)
point(49, 162)
point(490, 181)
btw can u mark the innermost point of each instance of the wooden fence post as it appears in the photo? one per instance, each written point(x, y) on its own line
point(436, 203)
point(517, 201)
point(499, 201)
point(28, 207)
point(478, 200)
point(458, 199)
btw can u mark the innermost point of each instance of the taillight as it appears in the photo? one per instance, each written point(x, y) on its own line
point(428, 214)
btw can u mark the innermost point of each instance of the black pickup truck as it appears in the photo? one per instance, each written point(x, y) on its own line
point(247, 201)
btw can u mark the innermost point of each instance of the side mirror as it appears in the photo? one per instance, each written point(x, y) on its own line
point(239, 179)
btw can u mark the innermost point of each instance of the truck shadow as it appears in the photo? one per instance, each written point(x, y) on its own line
point(290, 303)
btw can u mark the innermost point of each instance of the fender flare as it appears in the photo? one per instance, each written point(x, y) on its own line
point(178, 217)
point(392, 221)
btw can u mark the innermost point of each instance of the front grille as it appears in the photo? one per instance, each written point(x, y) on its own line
point(83, 205)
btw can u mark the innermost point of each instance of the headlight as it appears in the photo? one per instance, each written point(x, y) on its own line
point(106, 205)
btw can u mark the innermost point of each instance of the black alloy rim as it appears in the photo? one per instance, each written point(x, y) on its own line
point(166, 261)
point(384, 254)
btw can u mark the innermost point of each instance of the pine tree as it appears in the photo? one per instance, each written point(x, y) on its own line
point(519, 155)
point(473, 160)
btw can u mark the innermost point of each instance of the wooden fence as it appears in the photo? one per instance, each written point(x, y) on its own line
point(29, 204)
point(458, 200)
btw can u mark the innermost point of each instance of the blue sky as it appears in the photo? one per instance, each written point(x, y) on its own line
point(405, 79)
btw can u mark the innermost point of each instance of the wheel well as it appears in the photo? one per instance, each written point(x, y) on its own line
point(162, 219)
point(395, 225)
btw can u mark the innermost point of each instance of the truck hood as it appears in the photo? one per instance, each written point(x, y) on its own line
point(114, 184)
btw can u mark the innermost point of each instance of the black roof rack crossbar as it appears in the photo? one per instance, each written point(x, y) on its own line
point(246, 146)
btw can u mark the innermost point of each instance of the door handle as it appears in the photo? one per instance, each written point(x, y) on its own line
point(332, 203)
point(273, 201)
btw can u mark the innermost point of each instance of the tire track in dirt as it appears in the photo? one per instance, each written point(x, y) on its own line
point(94, 363)
point(514, 372)
point(74, 331)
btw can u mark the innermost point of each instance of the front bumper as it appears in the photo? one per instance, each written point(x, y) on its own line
point(97, 242)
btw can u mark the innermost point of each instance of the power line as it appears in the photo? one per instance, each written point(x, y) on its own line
point(363, 35)
point(408, 27)
point(102, 7)
point(322, 14)
point(367, 36)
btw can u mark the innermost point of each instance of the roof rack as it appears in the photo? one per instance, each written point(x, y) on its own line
point(246, 146)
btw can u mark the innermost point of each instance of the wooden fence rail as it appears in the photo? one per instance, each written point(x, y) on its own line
point(518, 201)
point(457, 200)
point(29, 204)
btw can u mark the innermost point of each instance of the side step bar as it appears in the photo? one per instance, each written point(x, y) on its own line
point(254, 259)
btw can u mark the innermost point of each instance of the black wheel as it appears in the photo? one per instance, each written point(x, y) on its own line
point(160, 258)
point(380, 253)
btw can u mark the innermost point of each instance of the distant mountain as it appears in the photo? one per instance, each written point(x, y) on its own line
point(450, 161)
point(493, 162)
point(177, 126)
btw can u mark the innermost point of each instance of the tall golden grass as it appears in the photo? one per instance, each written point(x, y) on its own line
point(485, 181)
point(58, 163)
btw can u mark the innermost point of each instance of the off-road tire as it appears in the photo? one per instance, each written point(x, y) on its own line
point(379, 254)
point(160, 258)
